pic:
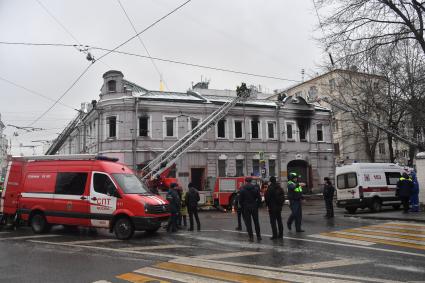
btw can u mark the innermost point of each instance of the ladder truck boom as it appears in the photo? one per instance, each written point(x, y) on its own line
point(165, 159)
point(364, 118)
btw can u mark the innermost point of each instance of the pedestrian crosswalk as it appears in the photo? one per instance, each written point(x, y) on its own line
point(406, 235)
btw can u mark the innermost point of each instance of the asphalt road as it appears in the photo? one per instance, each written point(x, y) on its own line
point(343, 249)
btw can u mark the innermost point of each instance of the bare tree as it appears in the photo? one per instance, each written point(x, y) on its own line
point(358, 26)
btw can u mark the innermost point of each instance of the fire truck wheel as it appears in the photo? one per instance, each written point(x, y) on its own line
point(231, 202)
point(39, 223)
point(123, 228)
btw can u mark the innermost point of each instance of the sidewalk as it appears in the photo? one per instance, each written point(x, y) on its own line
point(395, 215)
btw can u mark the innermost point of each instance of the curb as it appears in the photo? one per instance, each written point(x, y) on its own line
point(386, 218)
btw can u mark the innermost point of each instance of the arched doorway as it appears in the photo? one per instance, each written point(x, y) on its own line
point(302, 169)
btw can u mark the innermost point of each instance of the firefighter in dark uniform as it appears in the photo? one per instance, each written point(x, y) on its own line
point(174, 202)
point(192, 199)
point(250, 200)
point(238, 208)
point(275, 197)
point(295, 194)
point(328, 196)
point(405, 189)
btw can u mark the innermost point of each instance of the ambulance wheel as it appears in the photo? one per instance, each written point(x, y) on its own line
point(351, 210)
point(123, 228)
point(39, 223)
point(376, 205)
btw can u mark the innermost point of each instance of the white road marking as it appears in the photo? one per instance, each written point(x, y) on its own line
point(388, 232)
point(305, 272)
point(256, 271)
point(403, 268)
point(102, 281)
point(349, 245)
point(351, 241)
point(28, 237)
point(172, 275)
point(228, 255)
point(162, 247)
point(422, 243)
point(104, 249)
point(325, 264)
point(93, 241)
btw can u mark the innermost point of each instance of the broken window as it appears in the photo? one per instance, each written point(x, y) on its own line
point(319, 132)
point(255, 129)
point(169, 124)
point(289, 130)
point(112, 86)
point(271, 128)
point(303, 131)
point(238, 130)
point(221, 129)
point(112, 122)
point(222, 168)
point(144, 126)
point(193, 123)
point(239, 167)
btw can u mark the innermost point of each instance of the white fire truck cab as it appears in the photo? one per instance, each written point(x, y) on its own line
point(367, 185)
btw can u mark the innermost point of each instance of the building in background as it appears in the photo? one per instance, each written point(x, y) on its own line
point(259, 137)
point(354, 140)
point(3, 150)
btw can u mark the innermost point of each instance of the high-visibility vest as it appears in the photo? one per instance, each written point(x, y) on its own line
point(402, 179)
point(298, 189)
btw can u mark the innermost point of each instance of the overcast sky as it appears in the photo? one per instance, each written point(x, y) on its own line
point(273, 37)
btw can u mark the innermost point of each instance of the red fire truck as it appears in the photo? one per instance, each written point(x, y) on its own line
point(80, 190)
point(225, 189)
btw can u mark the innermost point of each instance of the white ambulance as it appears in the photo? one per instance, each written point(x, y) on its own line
point(367, 185)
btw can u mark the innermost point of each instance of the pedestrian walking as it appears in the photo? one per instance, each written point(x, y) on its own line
point(192, 198)
point(250, 200)
point(328, 196)
point(275, 198)
point(295, 194)
point(414, 198)
point(238, 208)
point(174, 204)
point(404, 191)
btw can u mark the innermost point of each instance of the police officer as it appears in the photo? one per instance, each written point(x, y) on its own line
point(238, 208)
point(275, 197)
point(404, 191)
point(192, 199)
point(295, 194)
point(328, 195)
point(174, 202)
point(250, 200)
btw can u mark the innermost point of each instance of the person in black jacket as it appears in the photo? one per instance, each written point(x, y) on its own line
point(328, 195)
point(295, 195)
point(250, 200)
point(174, 203)
point(405, 188)
point(192, 198)
point(275, 197)
point(238, 208)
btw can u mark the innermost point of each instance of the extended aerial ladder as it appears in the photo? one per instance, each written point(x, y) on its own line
point(167, 158)
point(366, 119)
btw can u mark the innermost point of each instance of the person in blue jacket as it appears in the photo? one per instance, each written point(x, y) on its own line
point(414, 198)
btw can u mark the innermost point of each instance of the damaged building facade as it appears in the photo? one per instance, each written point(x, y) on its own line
point(259, 137)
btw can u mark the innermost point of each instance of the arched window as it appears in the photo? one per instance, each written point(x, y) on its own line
point(112, 86)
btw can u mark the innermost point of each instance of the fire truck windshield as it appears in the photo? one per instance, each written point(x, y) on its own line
point(130, 184)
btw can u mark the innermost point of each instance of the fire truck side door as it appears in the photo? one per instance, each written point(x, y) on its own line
point(103, 203)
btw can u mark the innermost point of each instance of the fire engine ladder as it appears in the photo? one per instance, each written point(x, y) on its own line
point(165, 159)
point(366, 119)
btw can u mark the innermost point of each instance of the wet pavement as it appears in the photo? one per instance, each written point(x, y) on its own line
point(343, 249)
